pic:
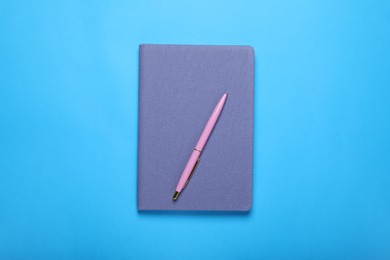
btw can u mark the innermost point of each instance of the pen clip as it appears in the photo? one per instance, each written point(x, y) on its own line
point(192, 172)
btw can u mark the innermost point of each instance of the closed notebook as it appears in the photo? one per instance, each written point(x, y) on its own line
point(179, 87)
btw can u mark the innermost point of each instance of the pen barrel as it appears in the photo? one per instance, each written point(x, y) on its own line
point(187, 170)
point(211, 123)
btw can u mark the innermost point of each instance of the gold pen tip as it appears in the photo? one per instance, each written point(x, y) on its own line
point(176, 195)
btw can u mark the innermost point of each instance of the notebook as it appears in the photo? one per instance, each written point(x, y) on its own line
point(179, 87)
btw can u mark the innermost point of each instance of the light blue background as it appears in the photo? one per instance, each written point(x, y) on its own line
point(68, 130)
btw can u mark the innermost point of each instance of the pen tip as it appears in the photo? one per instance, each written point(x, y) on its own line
point(226, 93)
point(176, 195)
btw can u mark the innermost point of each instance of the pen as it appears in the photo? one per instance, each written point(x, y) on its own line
point(195, 156)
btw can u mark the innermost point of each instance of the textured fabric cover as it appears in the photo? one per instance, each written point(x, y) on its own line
point(179, 86)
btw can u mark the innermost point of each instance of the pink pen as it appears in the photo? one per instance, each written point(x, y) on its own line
point(195, 156)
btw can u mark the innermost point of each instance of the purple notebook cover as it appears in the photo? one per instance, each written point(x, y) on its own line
point(179, 86)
